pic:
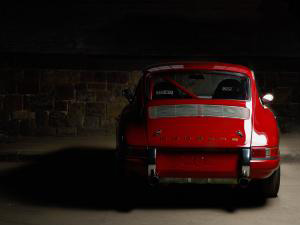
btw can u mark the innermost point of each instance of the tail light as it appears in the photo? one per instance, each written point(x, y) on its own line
point(264, 153)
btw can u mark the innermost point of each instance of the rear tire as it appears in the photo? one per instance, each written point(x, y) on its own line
point(270, 186)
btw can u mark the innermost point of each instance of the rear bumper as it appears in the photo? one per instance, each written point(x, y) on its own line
point(177, 180)
point(235, 166)
point(263, 168)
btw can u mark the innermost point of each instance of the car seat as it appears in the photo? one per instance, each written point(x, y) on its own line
point(229, 89)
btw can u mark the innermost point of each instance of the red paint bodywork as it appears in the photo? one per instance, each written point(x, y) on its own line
point(205, 147)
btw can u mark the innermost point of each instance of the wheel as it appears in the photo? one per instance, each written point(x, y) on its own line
point(120, 157)
point(270, 186)
point(120, 166)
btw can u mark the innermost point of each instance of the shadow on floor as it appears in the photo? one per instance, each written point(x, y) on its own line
point(86, 178)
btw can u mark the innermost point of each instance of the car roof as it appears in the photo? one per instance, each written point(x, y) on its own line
point(200, 65)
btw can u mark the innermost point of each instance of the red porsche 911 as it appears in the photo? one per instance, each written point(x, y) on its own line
point(200, 122)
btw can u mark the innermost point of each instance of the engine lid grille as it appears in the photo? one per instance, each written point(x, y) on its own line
point(198, 110)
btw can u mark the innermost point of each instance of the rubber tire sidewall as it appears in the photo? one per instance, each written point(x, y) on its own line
point(270, 186)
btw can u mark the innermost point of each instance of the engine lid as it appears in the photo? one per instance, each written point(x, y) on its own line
point(199, 125)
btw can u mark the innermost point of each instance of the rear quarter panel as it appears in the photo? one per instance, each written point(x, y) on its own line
point(265, 129)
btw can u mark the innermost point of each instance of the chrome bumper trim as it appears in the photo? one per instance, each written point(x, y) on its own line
point(245, 171)
point(152, 162)
point(168, 180)
point(262, 159)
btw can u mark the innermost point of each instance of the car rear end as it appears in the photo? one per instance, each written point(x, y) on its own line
point(203, 123)
point(199, 126)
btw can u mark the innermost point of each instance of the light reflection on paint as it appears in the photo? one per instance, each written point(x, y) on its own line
point(248, 125)
point(259, 139)
point(166, 68)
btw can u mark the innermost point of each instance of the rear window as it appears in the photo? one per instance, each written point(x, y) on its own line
point(199, 84)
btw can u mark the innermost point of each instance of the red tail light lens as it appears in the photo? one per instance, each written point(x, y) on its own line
point(263, 152)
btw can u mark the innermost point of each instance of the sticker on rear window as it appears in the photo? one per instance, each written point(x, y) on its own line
point(164, 92)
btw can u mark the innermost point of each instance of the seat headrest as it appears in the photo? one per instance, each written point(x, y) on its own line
point(229, 89)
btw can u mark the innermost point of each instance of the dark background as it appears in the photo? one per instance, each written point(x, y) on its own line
point(63, 65)
point(153, 28)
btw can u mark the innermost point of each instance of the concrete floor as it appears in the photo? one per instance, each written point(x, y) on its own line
point(77, 185)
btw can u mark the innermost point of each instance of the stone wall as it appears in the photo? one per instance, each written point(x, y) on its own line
point(71, 102)
point(61, 102)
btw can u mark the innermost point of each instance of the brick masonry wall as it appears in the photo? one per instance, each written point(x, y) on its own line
point(62, 102)
point(85, 102)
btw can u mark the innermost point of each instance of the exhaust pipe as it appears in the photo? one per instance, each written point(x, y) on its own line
point(244, 182)
point(154, 180)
